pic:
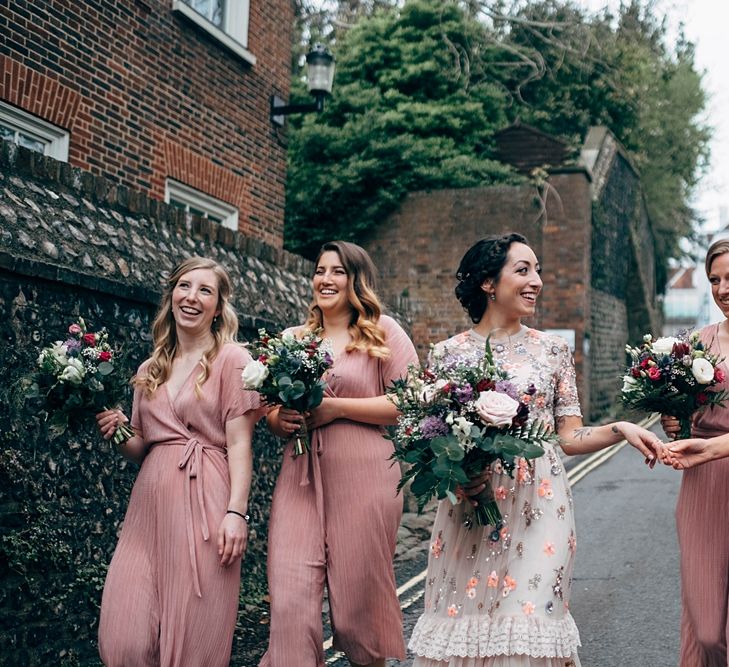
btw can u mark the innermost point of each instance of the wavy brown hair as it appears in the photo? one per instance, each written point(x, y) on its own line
point(716, 249)
point(164, 333)
point(364, 328)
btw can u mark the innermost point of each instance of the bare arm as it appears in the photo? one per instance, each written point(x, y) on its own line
point(576, 438)
point(378, 410)
point(691, 452)
point(233, 530)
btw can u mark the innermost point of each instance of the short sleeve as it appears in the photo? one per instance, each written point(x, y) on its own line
point(138, 396)
point(402, 352)
point(566, 400)
point(234, 400)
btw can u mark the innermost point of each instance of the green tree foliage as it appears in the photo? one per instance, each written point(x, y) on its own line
point(410, 111)
point(421, 90)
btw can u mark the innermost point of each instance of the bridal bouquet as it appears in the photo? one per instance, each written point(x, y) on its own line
point(456, 418)
point(673, 376)
point(78, 378)
point(287, 371)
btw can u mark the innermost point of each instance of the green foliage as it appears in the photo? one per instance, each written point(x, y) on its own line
point(420, 91)
point(407, 113)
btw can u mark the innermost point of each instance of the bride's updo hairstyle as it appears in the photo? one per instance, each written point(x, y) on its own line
point(482, 262)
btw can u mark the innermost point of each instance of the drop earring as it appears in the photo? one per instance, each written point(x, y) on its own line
point(493, 296)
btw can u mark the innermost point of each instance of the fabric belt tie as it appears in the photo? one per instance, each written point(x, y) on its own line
point(191, 463)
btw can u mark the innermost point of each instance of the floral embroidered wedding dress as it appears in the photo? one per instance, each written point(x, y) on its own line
point(505, 603)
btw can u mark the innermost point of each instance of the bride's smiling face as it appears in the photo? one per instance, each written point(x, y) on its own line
point(519, 283)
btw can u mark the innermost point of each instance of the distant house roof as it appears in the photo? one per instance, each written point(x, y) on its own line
point(682, 278)
point(526, 148)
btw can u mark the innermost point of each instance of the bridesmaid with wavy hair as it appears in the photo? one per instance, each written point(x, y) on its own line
point(171, 593)
point(335, 513)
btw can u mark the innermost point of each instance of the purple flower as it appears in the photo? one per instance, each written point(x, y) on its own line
point(505, 387)
point(464, 393)
point(73, 346)
point(328, 359)
point(433, 426)
point(531, 390)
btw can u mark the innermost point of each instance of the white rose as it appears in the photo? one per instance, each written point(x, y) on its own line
point(629, 384)
point(703, 371)
point(495, 408)
point(254, 374)
point(288, 337)
point(58, 353)
point(664, 345)
point(73, 373)
point(430, 390)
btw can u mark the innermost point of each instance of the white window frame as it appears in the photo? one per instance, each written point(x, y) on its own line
point(234, 32)
point(193, 198)
point(55, 139)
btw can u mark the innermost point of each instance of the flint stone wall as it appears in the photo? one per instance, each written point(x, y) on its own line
point(73, 244)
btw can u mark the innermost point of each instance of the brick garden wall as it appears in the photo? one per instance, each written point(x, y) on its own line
point(146, 95)
point(75, 244)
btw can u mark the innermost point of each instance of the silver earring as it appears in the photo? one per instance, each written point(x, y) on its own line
point(493, 296)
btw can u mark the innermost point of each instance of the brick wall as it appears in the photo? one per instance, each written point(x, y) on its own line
point(146, 95)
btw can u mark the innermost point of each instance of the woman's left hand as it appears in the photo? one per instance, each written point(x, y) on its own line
point(325, 413)
point(232, 538)
point(646, 442)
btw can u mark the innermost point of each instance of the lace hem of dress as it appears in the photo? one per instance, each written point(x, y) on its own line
point(472, 636)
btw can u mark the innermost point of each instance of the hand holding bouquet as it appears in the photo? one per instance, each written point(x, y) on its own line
point(458, 417)
point(287, 371)
point(78, 378)
point(673, 376)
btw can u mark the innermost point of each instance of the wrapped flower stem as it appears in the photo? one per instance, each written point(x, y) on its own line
point(301, 440)
point(487, 511)
point(122, 433)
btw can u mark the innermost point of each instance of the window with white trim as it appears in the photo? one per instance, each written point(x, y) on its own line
point(196, 202)
point(32, 132)
point(226, 21)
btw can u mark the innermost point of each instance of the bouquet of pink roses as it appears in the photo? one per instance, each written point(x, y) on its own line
point(287, 370)
point(672, 376)
point(78, 378)
point(456, 418)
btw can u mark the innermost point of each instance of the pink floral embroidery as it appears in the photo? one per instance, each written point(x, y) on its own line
point(540, 402)
point(471, 593)
point(549, 549)
point(437, 547)
point(523, 476)
point(509, 585)
point(453, 611)
point(500, 493)
point(545, 489)
point(572, 542)
point(528, 608)
point(493, 580)
point(472, 582)
point(497, 467)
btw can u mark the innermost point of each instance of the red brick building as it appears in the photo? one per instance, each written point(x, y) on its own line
point(587, 224)
point(170, 97)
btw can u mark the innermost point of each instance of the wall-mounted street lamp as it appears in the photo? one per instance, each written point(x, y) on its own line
point(319, 75)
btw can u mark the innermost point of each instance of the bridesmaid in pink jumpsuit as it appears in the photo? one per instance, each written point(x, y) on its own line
point(703, 503)
point(335, 513)
point(171, 593)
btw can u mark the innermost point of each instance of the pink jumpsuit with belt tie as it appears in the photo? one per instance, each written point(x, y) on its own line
point(702, 513)
point(167, 600)
point(334, 522)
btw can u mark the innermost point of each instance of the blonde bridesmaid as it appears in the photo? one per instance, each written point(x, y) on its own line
point(171, 593)
point(701, 510)
point(335, 512)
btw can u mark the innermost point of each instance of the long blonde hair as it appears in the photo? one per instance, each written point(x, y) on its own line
point(364, 328)
point(224, 328)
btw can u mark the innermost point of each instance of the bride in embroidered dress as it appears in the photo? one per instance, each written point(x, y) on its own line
point(504, 602)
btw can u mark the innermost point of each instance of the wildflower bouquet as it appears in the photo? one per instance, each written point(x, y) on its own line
point(456, 418)
point(78, 378)
point(673, 376)
point(287, 371)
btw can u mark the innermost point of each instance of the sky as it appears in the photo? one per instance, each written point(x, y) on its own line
point(704, 24)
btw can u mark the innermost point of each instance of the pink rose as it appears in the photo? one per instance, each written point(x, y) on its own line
point(496, 409)
point(719, 374)
point(654, 373)
point(74, 329)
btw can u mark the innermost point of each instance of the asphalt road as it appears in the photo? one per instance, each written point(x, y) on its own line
point(625, 593)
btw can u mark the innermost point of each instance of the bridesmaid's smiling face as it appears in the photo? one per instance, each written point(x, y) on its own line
point(719, 279)
point(330, 283)
point(195, 300)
